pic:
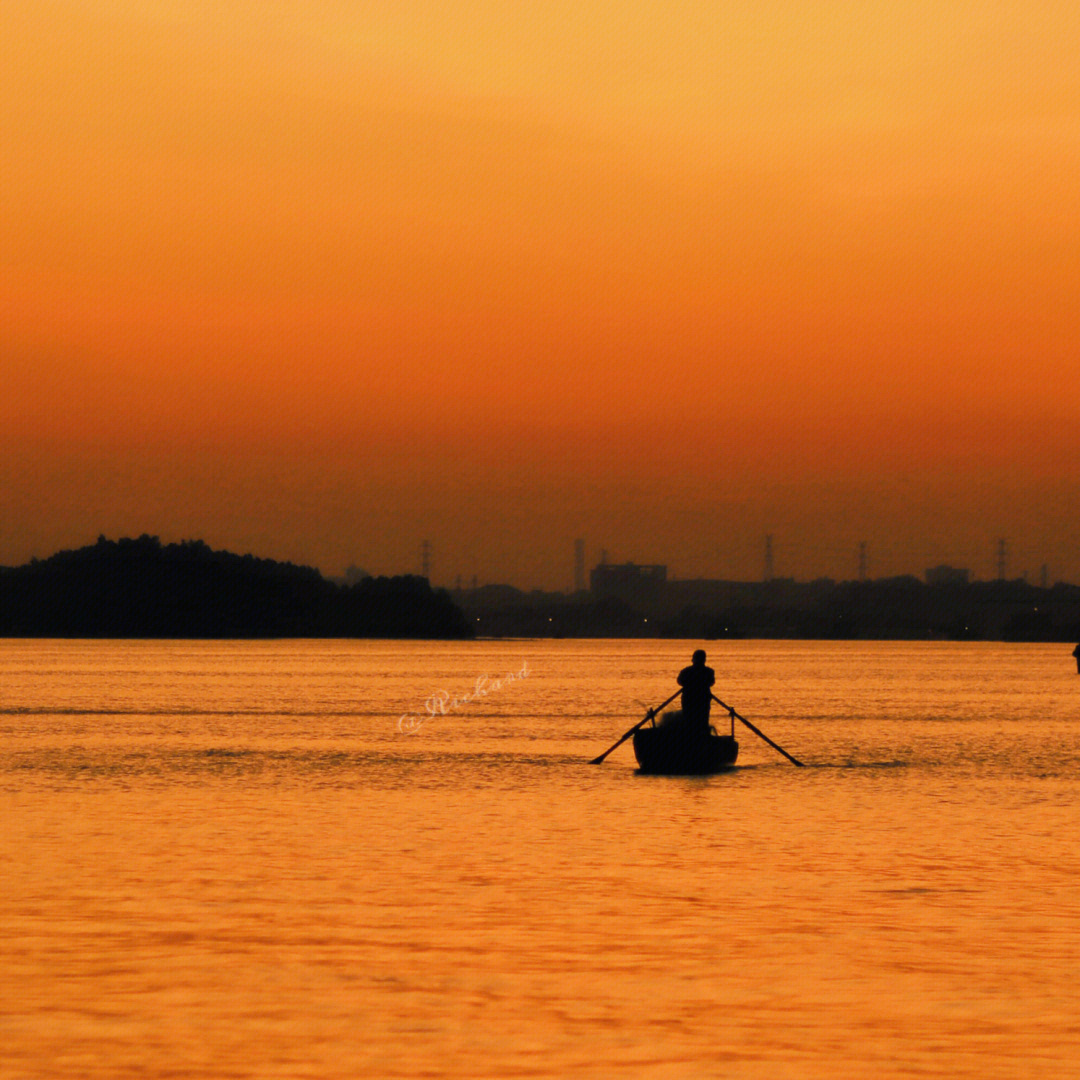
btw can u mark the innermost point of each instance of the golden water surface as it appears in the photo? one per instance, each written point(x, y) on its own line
point(226, 859)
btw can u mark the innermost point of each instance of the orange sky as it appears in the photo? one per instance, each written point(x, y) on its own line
point(318, 280)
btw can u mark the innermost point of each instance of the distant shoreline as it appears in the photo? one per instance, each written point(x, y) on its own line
point(893, 609)
point(140, 589)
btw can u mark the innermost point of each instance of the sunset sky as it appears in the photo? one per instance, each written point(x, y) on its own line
point(318, 280)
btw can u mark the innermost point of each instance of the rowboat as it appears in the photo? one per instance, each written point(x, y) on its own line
point(671, 749)
point(679, 748)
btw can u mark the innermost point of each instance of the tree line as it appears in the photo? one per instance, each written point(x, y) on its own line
point(141, 588)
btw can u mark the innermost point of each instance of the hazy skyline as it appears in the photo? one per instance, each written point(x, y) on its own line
point(318, 281)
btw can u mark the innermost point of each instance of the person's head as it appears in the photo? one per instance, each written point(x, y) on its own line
point(699, 656)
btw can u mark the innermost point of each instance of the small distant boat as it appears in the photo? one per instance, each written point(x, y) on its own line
point(670, 749)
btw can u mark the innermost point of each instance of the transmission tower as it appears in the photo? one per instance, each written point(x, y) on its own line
point(579, 566)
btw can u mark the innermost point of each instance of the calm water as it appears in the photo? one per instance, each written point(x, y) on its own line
point(225, 860)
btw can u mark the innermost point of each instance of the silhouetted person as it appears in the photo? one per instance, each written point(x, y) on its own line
point(697, 681)
point(1076, 653)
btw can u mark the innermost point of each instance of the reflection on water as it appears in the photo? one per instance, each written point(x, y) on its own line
point(223, 859)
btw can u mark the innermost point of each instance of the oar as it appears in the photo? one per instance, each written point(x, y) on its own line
point(648, 716)
point(760, 734)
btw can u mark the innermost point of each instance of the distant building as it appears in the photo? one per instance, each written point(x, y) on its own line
point(947, 575)
point(635, 585)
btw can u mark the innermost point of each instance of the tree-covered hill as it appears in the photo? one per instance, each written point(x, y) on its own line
point(142, 588)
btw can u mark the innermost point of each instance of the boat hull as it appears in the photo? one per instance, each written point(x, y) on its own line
point(662, 752)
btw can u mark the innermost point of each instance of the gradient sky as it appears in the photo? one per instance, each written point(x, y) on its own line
point(320, 279)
